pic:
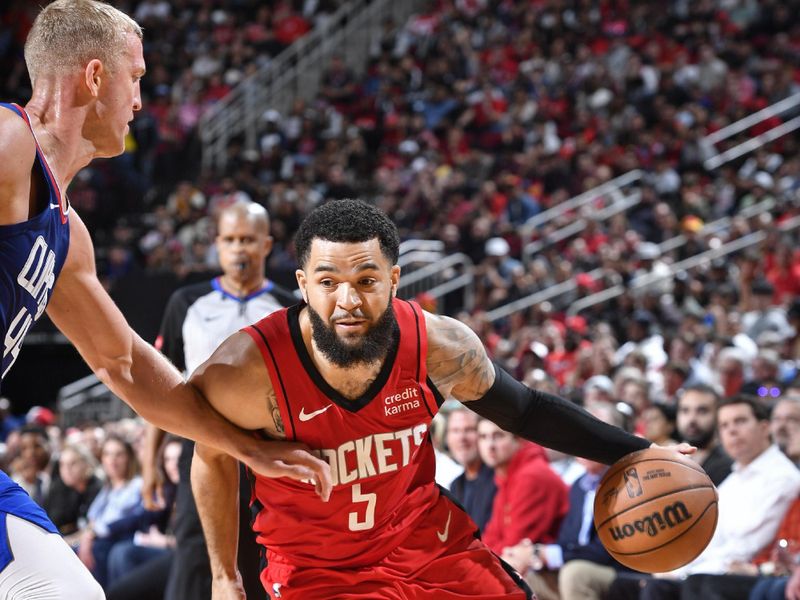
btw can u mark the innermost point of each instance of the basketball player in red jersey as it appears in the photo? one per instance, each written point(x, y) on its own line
point(357, 376)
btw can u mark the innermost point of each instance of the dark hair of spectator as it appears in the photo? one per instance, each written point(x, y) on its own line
point(35, 430)
point(702, 388)
point(667, 410)
point(347, 221)
point(678, 367)
point(760, 410)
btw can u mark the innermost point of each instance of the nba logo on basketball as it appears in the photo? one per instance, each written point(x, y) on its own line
point(632, 483)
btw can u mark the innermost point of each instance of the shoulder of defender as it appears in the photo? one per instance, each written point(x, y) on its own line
point(17, 147)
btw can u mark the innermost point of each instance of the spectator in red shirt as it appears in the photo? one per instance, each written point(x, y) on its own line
point(531, 498)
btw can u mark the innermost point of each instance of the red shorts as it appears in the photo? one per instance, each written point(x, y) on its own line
point(440, 560)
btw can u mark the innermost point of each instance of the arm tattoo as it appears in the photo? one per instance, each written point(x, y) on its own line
point(275, 412)
point(457, 361)
point(276, 417)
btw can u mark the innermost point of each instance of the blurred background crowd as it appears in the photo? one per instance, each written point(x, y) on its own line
point(467, 121)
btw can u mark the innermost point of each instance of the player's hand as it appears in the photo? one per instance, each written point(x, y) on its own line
point(290, 459)
point(152, 488)
point(228, 589)
point(522, 557)
point(85, 549)
point(793, 586)
point(682, 448)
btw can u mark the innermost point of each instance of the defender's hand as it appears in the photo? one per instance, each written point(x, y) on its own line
point(289, 459)
point(152, 488)
point(682, 448)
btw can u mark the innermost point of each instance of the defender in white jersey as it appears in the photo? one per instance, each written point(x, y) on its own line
point(198, 318)
point(85, 61)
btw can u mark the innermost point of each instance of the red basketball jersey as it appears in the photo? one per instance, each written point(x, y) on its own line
point(381, 457)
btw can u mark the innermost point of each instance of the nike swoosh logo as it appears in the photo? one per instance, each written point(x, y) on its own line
point(212, 318)
point(443, 535)
point(55, 206)
point(304, 416)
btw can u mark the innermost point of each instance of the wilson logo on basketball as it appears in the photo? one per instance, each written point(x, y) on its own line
point(672, 516)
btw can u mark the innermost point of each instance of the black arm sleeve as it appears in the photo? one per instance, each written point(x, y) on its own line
point(553, 422)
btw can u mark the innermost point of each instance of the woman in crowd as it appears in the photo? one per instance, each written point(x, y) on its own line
point(110, 512)
point(72, 493)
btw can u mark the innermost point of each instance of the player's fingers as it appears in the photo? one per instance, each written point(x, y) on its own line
point(320, 477)
point(322, 474)
point(296, 472)
point(153, 498)
point(147, 500)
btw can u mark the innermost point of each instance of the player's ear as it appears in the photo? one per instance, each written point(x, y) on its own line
point(300, 275)
point(93, 76)
point(395, 276)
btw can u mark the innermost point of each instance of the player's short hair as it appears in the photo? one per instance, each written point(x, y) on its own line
point(67, 34)
point(347, 221)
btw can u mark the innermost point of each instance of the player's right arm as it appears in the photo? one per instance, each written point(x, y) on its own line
point(236, 383)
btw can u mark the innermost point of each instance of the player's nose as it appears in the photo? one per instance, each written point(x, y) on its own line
point(348, 297)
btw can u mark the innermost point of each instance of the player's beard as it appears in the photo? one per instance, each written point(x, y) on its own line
point(373, 346)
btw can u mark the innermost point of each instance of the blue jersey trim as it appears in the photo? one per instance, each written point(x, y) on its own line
point(217, 285)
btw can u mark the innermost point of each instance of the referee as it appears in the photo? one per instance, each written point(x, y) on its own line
point(198, 318)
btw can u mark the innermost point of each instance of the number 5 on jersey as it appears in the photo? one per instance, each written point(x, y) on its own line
point(369, 516)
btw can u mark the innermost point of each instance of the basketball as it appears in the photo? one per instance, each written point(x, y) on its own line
point(655, 510)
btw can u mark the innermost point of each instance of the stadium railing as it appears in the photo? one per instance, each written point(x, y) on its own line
point(453, 272)
point(556, 291)
point(296, 73)
point(607, 189)
point(695, 261)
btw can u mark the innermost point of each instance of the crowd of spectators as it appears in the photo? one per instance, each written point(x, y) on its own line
point(469, 119)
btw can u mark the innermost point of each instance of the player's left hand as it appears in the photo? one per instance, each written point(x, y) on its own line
point(228, 589)
point(793, 586)
point(522, 557)
point(682, 448)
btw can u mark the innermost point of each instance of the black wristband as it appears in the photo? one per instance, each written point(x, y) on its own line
point(553, 422)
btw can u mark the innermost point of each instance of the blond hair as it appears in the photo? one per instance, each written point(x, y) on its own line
point(67, 34)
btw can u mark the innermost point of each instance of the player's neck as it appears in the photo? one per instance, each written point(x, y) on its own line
point(54, 117)
point(352, 381)
point(241, 288)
